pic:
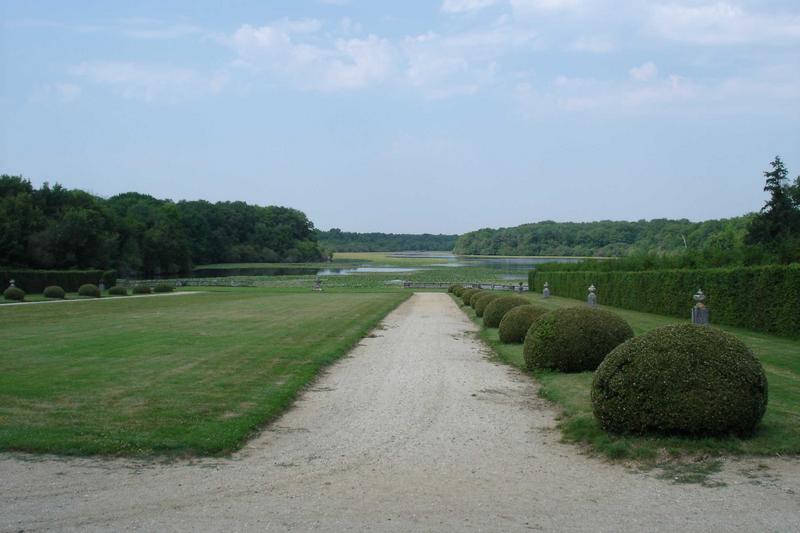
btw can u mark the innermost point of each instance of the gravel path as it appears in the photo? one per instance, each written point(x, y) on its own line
point(415, 430)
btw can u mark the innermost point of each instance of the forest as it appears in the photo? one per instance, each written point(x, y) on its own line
point(53, 227)
point(770, 236)
point(345, 241)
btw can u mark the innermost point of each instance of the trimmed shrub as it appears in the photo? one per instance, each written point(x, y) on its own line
point(574, 339)
point(118, 291)
point(517, 322)
point(480, 303)
point(14, 293)
point(54, 291)
point(141, 289)
point(474, 297)
point(35, 281)
point(452, 288)
point(163, 287)
point(680, 379)
point(498, 308)
point(89, 289)
point(758, 298)
point(459, 290)
point(467, 294)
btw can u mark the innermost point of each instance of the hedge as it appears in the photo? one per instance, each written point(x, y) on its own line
point(763, 299)
point(35, 281)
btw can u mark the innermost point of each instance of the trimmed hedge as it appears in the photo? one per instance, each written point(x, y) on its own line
point(757, 298)
point(680, 379)
point(498, 308)
point(459, 290)
point(574, 339)
point(453, 288)
point(142, 289)
point(163, 287)
point(467, 294)
point(89, 289)
point(483, 300)
point(35, 281)
point(54, 291)
point(473, 299)
point(118, 291)
point(517, 322)
point(14, 293)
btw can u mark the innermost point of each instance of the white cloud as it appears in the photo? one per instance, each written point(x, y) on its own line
point(462, 63)
point(64, 92)
point(149, 82)
point(346, 64)
point(67, 92)
point(463, 6)
point(545, 5)
point(645, 72)
point(722, 23)
point(594, 44)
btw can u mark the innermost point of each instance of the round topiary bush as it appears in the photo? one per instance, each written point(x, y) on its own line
point(14, 293)
point(116, 290)
point(163, 287)
point(467, 294)
point(458, 290)
point(481, 302)
point(498, 308)
point(681, 379)
point(54, 291)
point(452, 288)
point(574, 339)
point(89, 289)
point(474, 298)
point(517, 322)
point(141, 289)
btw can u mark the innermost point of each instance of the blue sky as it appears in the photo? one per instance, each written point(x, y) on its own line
point(442, 116)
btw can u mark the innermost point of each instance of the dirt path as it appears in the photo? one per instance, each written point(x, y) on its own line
point(415, 430)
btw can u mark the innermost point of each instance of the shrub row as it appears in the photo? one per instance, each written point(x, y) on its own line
point(35, 281)
point(757, 298)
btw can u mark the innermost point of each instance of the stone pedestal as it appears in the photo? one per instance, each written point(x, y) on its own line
point(591, 299)
point(546, 290)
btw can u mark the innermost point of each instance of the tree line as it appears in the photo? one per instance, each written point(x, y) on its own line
point(345, 241)
point(768, 237)
point(55, 227)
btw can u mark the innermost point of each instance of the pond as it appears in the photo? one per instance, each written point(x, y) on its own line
point(508, 268)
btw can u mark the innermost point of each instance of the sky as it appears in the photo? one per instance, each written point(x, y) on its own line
point(441, 117)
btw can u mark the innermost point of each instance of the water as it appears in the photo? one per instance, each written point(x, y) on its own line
point(512, 268)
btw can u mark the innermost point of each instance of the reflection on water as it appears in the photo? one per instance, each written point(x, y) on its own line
point(504, 263)
point(514, 268)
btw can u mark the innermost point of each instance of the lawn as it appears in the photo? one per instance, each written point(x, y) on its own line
point(779, 432)
point(188, 375)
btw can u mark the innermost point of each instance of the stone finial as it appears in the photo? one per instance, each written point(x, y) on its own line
point(591, 299)
point(11, 284)
point(700, 313)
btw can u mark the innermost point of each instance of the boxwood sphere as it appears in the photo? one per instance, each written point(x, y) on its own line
point(116, 290)
point(517, 321)
point(89, 289)
point(574, 339)
point(683, 380)
point(498, 308)
point(474, 297)
point(54, 291)
point(163, 287)
point(142, 289)
point(14, 293)
point(452, 288)
point(480, 303)
point(465, 296)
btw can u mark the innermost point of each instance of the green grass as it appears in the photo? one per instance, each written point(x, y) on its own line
point(188, 375)
point(778, 434)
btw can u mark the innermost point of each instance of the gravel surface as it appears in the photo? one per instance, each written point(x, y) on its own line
point(415, 430)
